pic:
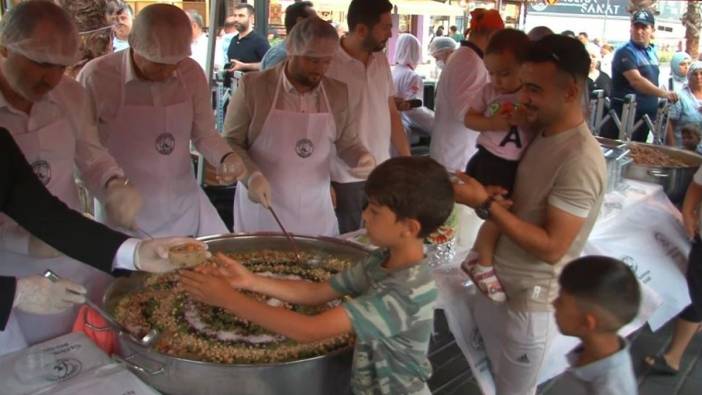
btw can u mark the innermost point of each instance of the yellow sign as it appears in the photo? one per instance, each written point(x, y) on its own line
point(551, 2)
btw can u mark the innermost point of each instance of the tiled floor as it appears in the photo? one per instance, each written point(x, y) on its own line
point(452, 375)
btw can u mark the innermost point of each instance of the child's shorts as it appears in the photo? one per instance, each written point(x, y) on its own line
point(490, 169)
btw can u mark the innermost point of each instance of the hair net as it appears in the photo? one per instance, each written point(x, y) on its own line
point(312, 37)
point(408, 51)
point(694, 66)
point(439, 44)
point(162, 34)
point(678, 58)
point(41, 31)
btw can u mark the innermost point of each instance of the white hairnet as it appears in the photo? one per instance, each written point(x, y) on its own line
point(162, 34)
point(408, 51)
point(440, 44)
point(41, 31)
point(312, 37)
point(694, 66)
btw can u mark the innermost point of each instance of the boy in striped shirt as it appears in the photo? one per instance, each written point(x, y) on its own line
point(392, 293)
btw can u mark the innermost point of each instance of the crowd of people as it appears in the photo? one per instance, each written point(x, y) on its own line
point(317, 131)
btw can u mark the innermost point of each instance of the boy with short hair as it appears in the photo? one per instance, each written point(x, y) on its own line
point(691, 136)
point(393, 291)
point(598, 296)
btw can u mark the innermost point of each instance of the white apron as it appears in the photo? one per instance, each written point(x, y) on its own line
point(293, 152)
point(152, 146)
point(51, 152)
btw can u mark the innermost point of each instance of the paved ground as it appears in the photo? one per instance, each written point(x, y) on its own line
point(452, 375)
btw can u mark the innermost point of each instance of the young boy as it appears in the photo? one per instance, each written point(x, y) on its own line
point(393, 292)
point(598, 296)
point(691, 136)
point(502, 141)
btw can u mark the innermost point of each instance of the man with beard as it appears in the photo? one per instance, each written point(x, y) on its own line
point(248, 47)
point(557, 196)
point(363, 67)
point(286, 142)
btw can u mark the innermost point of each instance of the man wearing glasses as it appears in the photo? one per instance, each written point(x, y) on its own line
point(557, 196)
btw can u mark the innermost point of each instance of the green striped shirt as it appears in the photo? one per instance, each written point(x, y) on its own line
point(392, 314)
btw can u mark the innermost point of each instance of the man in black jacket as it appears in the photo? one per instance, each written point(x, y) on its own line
point(24, 199)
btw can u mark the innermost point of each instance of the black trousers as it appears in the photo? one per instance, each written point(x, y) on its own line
point(350, 202)
point(490, 169)
point(693, 312)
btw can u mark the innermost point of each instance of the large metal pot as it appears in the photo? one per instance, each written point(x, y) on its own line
point(674, 180)
point(323, 375)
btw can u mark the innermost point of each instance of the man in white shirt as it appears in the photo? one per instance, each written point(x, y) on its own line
point(151, 102)
point(363, 67)
point(452, 144)
point(284, 122)
point(198, 48)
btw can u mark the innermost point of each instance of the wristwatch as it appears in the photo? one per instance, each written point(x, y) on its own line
point(483, 211)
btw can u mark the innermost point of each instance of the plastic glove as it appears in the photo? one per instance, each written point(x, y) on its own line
point(259, 189)
point(231, 169)
point(39, 295)
point(152, 255)
point(364, 167)
point(122, 203)
point(39, 249)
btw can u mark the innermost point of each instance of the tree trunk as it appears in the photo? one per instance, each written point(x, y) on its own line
point(693, 24)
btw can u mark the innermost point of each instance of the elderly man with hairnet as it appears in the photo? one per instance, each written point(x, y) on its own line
point(46, 115)
point(410, 86)
point(150, 102)
point(287, 142)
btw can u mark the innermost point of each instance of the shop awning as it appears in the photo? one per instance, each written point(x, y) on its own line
point(404, 7)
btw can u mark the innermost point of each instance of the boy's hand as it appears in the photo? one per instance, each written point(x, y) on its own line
point(205, 288)
point(234, 272)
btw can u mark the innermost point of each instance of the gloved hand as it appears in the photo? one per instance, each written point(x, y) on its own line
point(39, 295)
point(39, 249)
point(231, 169)
point(152, 255)
point(364, 167)
point(122, 203)
point(259, 189)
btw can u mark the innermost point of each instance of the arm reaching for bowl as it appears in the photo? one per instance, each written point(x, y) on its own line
point(293, 291)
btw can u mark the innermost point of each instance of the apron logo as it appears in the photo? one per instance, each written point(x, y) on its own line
point(165, 143)
point(42, 169)
point(304, 148)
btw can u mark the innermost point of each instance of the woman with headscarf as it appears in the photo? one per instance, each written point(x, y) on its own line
point(596, 78)
point(410, 86)
point(678, 71)
point(687, 109)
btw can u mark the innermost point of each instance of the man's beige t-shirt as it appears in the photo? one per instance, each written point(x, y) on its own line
point(566, 171)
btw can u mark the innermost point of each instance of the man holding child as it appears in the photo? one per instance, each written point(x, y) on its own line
point(557, 196)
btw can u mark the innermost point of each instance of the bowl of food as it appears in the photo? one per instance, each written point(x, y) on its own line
point(204, 349)
point(188, 255)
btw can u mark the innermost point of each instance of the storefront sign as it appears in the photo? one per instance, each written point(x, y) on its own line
point(583, 8)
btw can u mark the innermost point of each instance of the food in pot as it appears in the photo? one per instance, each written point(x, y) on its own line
point(196, 331)
point(648, 156)
point(187, 255)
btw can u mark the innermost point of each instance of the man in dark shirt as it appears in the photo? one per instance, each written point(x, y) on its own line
point(248, 47)
point(635, 70)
